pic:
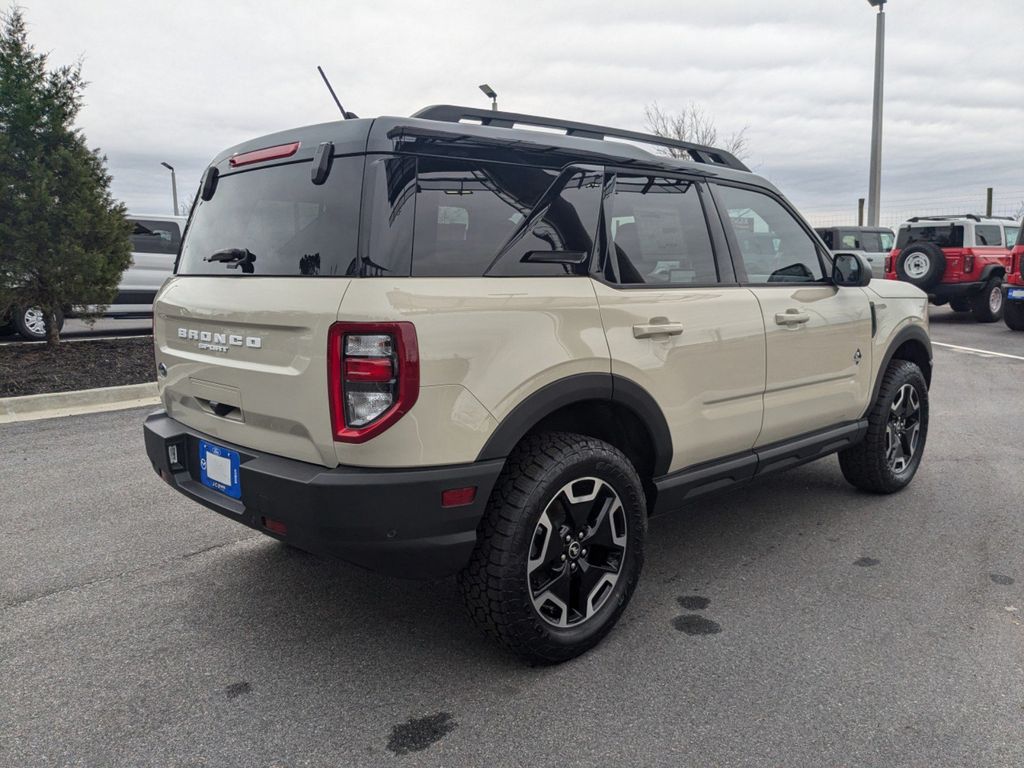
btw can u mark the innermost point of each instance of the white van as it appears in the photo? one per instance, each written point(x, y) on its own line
point(155, 242)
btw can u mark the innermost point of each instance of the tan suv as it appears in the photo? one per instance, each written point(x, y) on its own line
point(450, 344)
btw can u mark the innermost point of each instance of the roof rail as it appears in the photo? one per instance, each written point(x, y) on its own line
point(947, 217)
point(449, 113)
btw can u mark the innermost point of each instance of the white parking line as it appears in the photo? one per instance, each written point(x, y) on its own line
point(972, 350)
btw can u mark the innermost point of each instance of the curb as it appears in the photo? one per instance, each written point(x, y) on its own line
point(56, 404)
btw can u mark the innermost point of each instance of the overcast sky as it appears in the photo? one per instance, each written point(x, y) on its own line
point(179, 81)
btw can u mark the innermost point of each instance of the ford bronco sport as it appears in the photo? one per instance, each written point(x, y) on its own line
point(959, 260)
point(450, 344)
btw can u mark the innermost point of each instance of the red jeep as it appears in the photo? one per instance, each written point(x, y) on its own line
point(1014, 289)
point(957, 260)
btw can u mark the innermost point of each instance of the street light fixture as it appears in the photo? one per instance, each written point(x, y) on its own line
point(489, 93)
point(174, 185)
point(875, 176)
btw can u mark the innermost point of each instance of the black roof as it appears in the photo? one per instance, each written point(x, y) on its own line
point(475, 130)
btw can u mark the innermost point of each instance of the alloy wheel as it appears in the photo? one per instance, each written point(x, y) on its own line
point(35, 321)
point(903, 429)
point(577, 552)
point(995, 299)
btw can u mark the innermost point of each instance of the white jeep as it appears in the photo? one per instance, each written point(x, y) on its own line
point(448, 344)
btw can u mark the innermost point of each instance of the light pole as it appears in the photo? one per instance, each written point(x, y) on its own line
point(174, 185)
point(875, 176)
point(489, 93)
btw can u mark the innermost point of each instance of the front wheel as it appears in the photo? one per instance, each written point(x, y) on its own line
point(886, 460)
point(1013, 315)
point(987, 304)
point(560, 548)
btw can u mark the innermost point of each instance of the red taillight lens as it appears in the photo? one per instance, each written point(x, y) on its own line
point(373, 372)
point(267, 153)
point(968, 261)
point(888, 264)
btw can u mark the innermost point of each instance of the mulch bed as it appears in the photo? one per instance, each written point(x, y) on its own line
point(31, 369)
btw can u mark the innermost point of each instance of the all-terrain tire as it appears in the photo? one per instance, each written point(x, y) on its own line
point(869, 465)
point(987, 305)
point(921, 264)
point(497, 584)
point(1013, 315)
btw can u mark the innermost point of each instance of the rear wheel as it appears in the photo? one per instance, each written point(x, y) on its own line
point(960, 305)
point(987, 305)
point(921, 264)
point(1013, 315)
point(560, 547)
point(887, 458)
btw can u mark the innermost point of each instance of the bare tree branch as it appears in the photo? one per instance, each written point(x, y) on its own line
point(695, 125)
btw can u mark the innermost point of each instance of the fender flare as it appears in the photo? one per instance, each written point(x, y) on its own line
point(987, 271)
point(580, 388)
point(909, 333)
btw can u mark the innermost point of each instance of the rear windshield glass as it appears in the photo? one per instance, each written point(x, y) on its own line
point(155, 236)
point(275, 221)
point(942, 235)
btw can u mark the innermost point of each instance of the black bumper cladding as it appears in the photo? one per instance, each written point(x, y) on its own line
point(387, 520)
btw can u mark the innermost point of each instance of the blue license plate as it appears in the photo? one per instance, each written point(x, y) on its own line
point(1015, 293)
point(219, 469)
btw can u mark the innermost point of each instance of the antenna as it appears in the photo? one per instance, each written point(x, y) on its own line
point(345, 115)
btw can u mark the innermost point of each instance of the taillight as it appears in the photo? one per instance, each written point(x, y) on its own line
point(968, 261)
point(888, 263)
point(373, 372)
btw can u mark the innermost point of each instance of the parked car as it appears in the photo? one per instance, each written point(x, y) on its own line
point(155, 242)
point(431, 347)
point(1013, 312)
point(960, 260)
point(873, 243)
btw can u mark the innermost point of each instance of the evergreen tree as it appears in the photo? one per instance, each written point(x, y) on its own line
point(64, 241)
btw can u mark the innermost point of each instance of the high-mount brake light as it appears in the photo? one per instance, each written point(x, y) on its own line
point(267, 153)
point(373, 374)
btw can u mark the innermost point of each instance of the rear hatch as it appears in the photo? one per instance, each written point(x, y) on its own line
point(241, 330)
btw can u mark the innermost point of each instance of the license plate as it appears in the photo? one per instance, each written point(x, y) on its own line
point(1015, 293)
point(219, 469)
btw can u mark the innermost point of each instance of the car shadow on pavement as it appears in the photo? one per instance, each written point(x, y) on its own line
point(295, 610)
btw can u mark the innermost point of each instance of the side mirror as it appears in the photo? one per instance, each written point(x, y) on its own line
point(849, 270)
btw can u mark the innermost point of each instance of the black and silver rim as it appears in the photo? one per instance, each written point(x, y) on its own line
point(904, 429)
point(577, 552)
point(995, 299)
point(34, 321)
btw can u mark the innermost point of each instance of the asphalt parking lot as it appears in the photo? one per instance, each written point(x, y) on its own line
point(796, 622)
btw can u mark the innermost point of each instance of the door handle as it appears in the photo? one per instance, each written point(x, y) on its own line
point(647, 330)
point(791, 317)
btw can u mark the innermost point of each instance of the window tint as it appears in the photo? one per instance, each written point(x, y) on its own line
point(155, 236)
point(887, 239)
point(467, 210)
point(943, 235)
point(850, 240)
point(390, 197)
point(773, 245)
point(870, 242)
point(1012, 233)
point(565, 221)
point(988, 234)
point(659, 233)
point(289, 225)
point(827, 236)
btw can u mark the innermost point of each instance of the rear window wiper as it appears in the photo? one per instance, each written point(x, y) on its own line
point(234, 258)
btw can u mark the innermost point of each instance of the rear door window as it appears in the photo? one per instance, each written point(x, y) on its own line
point(151, 236)
point(887, 239)
point(1012, 233)
point(870, 242)
point(659, 234)
point(988, 234)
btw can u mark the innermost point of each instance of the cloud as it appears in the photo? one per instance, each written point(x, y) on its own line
point(181, 81)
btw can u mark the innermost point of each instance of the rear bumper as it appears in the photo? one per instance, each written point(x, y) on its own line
point(386, 520)
point(946, 291)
